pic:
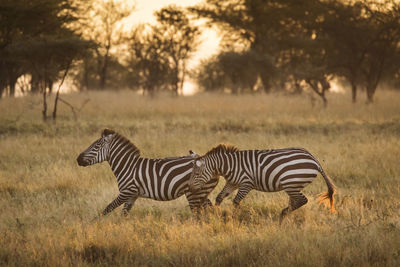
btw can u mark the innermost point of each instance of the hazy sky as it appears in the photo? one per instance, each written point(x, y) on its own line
point(145, 8)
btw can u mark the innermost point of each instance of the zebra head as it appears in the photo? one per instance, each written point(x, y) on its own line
point(200, 175)
point(98, 151)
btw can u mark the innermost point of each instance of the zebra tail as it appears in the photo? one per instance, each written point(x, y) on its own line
point(328, 196)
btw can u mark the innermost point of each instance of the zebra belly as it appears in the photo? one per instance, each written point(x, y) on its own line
point(297, 180)
point(259, 187)
point(159, 199)
point(289, 179)
point(160, 196)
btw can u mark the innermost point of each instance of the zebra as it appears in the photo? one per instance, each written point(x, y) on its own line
point(158, 179)
point(288, 169)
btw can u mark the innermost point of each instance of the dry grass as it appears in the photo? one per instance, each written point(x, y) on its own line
point(47, 201)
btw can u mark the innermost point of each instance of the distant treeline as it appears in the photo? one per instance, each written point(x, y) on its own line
point(266, 45)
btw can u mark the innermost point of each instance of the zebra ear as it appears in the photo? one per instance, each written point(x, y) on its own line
point(107, 132)
point(193, 154)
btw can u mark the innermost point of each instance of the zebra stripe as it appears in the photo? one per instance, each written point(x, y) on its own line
point(158, 179)
point(288, 169)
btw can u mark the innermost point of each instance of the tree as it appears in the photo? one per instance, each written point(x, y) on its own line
point(348, 30)
point(35, 39)
point(158, 54)
point(101, 23)
point(210, 76)
point(234, 70)
point(148, 65)
point(385, 29)
point(13, 26)
point(251, 23)
point(179, 39)
point(365, 37)
point(304, 49)
point(18, 23)
point(279, 34)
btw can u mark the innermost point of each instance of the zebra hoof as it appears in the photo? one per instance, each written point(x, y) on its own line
point(124, 213)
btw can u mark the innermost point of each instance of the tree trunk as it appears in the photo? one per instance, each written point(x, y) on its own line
point(35, 84)
point(297, 87)
point(370, 93)
point(103, 71)
point(58, 91)
point(324, 100)
point(175, 89)
point(3, 83)
point(324, 87)
point(182, 78)
point(151, 91)
point(103, 75)
point(55, 105)
point(12, 89)
point(50, 85)
point(85, 74)
point(44, 111)
point(235, 86)
point(373, 81)
point(12, 81)
point(265, 81)
point(353, 92)
point(2, 87)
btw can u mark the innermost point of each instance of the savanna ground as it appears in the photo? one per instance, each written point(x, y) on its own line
point(47, 201)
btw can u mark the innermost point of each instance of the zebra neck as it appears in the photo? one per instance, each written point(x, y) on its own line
point(124, 167)
point(123, 159)
point(227, 163)
point(217, 163)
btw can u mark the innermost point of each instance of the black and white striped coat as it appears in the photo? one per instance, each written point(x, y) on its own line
point(289, 169)
point(158, 179)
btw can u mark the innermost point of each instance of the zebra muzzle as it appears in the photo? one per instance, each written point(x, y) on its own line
point(81, 161)
point(193, 188)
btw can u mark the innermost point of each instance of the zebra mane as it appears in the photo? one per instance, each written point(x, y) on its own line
point(128, 143)
point(222, 148)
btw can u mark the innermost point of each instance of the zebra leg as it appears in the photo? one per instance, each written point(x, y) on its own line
point(206, 203)
point(128, 205)
point(200, 199)
point(244, 189)
point(114, 204)
point(296, 200)
point(121, 198)
point(226, 191)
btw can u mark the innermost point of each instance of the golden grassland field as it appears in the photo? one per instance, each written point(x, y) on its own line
point(47, 201)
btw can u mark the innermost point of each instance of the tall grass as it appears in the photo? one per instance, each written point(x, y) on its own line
point(47, 201)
